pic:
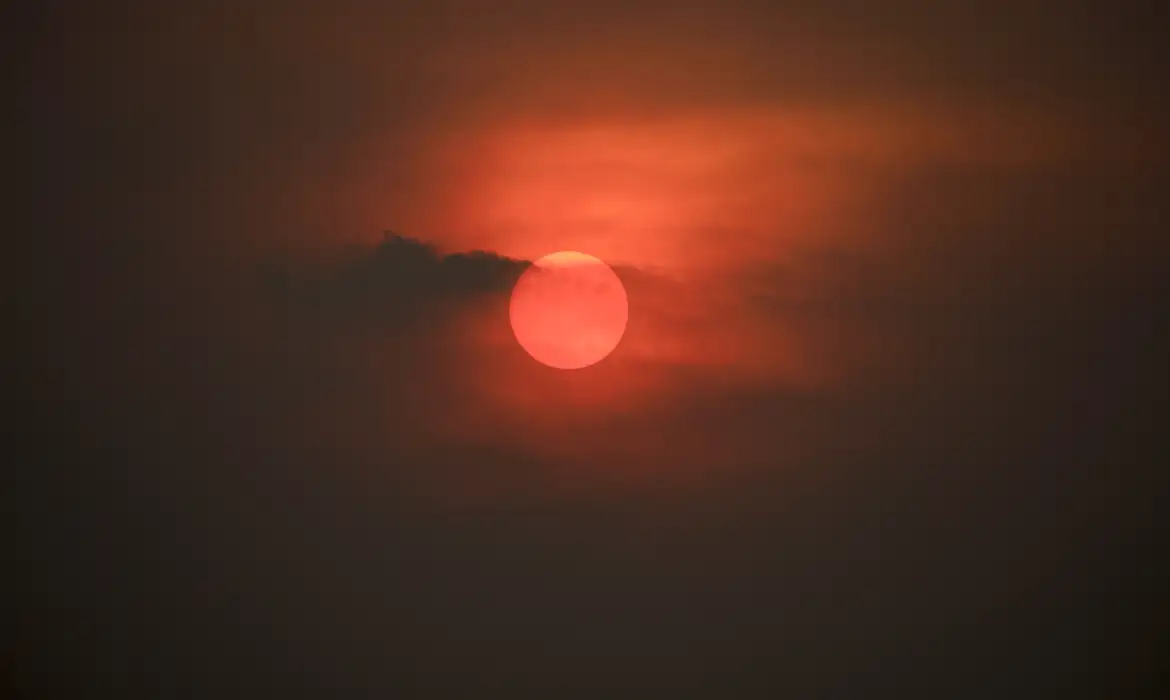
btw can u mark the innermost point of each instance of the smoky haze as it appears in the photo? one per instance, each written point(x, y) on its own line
point(264, 450)
point(291, 504)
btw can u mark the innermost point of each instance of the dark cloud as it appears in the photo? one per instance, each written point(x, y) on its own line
point(396, 281)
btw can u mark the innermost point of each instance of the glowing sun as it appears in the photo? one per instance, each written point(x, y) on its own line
point(569, 310)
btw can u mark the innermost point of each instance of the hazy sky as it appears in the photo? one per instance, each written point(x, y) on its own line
point(882, 422)
point(645, 132)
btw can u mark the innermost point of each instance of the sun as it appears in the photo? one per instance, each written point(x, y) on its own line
point(569, 310)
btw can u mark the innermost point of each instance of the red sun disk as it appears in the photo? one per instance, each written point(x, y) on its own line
point(569, 310)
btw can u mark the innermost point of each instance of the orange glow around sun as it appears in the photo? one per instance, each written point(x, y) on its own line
point(643, 194)
point(569, 310)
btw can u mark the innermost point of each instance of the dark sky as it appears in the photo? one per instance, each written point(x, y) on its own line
point(882, 422)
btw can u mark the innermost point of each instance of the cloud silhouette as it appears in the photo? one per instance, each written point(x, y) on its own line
point(398, 279)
